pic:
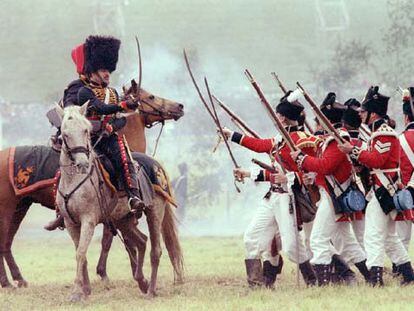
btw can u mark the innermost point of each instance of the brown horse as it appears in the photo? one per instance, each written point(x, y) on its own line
point(13, 209)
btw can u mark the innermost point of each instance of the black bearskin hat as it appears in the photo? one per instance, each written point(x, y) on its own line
point(351, 115)
point(332, 109)
point(375, 102)
point(406, 101)
point(101, 53)
point(290, 110)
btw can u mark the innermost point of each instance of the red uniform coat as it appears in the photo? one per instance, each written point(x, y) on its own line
point(405, 164)
point(383, 152)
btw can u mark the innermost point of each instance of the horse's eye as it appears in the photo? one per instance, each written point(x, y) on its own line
point(151, 97)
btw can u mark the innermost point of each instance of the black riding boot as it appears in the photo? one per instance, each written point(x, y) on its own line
point(270, 272)
point(342, 272)
point(407, 273)
point(323, 274)
point(376, 276)
point(135, 201)
point(363, 269)
point(254, 273)
point(308, 273)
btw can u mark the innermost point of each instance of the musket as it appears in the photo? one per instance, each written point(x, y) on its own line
point(282, 87)
point(265, 166)
point(326, 124)
point(279, 126)
point(284, 90)
point(236, 119)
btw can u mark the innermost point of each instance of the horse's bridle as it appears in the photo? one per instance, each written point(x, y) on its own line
point(71, 151)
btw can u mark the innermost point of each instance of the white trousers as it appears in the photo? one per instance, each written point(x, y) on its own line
point(404, 232)
point(381, 237)
point(271, 217)
point(325, 228)
point(358, 228)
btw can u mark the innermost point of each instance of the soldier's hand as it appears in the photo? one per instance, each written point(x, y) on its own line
point(346, 147)
point(308, 178)
point(227, 132)
point(132, 104)
point(240, 174)
point(278, 178)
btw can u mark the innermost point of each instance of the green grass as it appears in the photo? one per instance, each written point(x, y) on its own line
point(215, 280)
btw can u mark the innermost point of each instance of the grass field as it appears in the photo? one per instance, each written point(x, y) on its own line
point(215, 280)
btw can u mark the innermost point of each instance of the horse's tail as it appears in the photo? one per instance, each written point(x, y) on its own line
point(172, 243)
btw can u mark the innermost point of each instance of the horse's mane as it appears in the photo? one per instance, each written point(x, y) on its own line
point(73, 114)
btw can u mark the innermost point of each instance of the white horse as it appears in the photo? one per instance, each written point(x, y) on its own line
point(85, 200)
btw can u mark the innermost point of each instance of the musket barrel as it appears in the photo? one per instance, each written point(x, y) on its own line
point(322, 118)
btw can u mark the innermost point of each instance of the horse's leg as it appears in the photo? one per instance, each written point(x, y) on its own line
point(134, 239)
point(154, 219)
point(141, 239)
point(6, 217)
point(81, 236)
point(106, 243)
point(18, 216)
point(172, 243)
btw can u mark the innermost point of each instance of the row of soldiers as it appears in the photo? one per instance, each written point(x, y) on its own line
point(364, 191)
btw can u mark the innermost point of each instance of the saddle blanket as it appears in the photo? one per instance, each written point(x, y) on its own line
point(32, 168)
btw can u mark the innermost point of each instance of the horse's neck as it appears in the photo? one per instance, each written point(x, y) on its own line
point(134, 132)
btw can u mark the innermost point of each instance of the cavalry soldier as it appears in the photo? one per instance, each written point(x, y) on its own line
point(95, 60)
point(274, 214)
point(333, 176)
point(382, 158)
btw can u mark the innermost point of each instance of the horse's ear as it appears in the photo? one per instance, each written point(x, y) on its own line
point(84, 108)
point(124, 89)
point(59, 110)
point(134, 85)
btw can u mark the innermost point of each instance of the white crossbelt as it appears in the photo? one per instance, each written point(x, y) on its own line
point(387, 183)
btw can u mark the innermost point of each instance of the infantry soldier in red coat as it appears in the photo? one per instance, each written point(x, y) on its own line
point(274, 213)
point(95, 60)
point(333, 176)
point(407, 161)
point(382, 158)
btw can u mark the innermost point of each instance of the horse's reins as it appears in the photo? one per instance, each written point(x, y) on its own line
point(71, 151)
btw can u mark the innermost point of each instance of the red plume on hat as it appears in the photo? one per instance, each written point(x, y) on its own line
point(78, 57)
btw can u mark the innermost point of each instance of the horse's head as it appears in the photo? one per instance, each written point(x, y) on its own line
point(152, 108)
point(75, 131)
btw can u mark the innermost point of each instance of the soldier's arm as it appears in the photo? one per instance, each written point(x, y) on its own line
point(378, 156)
point(326, 165)
point(95, 104)
point(255, 144)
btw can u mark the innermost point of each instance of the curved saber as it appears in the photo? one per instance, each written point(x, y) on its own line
point(216, 121)
point(139, 66)
point(221, 131)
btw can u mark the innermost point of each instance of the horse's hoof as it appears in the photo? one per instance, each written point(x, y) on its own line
point(87, 290)
point(179, 282)
point(7, 285)
point(75, 297)
point(22, 283)
point(151, 295)
point(143, 285)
